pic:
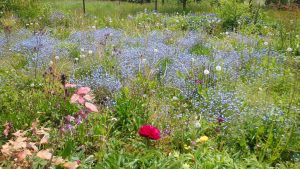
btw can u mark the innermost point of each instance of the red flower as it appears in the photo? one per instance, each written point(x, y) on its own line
point(149, 131)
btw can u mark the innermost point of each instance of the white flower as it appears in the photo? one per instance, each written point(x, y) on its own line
point(218, 68)
point(227, 33)
point(193, 59)
point(185, 166)
point(265, 27)
point(31, 23)
point(144, 60)
point(32, 85)
point(82, 50)
point(27, 24)
point(175, 98)
point(111, 34)
point(206, 72)
point(51, 63)
point(90, 52)
point(76, 59)
point(266, 43)
point(155, 50)
point(82, 56)
point(197, 124)
point(297, 36)
point(144, 95)
point(289, 49)
point(94, 27)
point(56, 57)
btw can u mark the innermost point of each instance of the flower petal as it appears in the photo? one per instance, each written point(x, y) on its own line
point(83, 90)
point(70, 85)
point(91, 107)
point(74, 98)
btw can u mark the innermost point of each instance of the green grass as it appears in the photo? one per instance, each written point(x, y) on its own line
point(261, 133)
point(123, 9)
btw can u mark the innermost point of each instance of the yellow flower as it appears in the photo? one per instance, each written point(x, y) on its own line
point(187, 147)
point(176, 154)
point(202, 139)
point(185, 166)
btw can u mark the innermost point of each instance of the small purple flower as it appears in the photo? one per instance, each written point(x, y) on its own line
point(82, 114)
point(62, 130)
point(167, 131)
point(198, 82)
point(68, 127)
point(220, 119)
point(69, 118)
point(78, 121)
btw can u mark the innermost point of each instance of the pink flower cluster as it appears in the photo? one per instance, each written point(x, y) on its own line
point(82, 97)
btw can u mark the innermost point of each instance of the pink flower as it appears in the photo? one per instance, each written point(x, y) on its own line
point(77, 99)
point(82, 114)
point(88, 97)
point(91, 107)
point(69, 85)
point(149, 131)
point(83, 90)
point(69, 118)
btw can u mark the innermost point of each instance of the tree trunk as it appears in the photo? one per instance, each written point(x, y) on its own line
point(184, 4)
point(162, 2)
point(155, 8)
point(83, 3)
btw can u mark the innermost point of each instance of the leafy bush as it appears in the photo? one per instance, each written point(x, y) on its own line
point(231, 11)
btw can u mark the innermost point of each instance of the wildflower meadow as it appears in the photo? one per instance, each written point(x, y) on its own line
point(138, 84)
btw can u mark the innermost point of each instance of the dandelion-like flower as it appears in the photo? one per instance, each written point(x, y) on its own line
point(197, 124)
point(175, 98)
point(266, 43)
point(90, 52)
point(289, 49)
point(56, 57)
point(206, 72)
point(218, 68)
point(185, 166)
